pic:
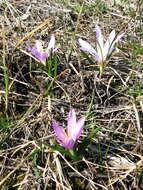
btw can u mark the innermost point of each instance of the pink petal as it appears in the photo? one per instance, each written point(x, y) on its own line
point(37, 51)
point(51, 44)
point(79, 127)
point(71, 122)
point(61, 136)
point(69, 143)
point(85, 46)
point(40, 55)
point(59, 131)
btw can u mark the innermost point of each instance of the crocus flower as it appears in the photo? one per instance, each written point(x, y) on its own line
point(38, 51)
point(74, 130)
point(103, 50)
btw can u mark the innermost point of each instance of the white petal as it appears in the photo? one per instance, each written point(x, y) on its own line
point(38, 46)
point(113, 42)
point(52, 42)
point(108, 47)
point(99, 37)
point(119, 37)
point(100, 43)
point(85, 46)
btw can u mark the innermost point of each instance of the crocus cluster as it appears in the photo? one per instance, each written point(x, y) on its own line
point(103, 50)
point(74, 130)
point(38, 51)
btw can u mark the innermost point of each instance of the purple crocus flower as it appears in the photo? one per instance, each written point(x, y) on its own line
point(102, 51)
point(74, 130)
point(38, 51)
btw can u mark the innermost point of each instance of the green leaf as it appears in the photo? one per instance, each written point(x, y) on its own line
point(87, 57)
point(137, 48)
point(87, 141)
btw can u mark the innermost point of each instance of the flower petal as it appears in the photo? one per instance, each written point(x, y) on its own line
point(59, 131)
point(71, 122)
point(119, 37)
point(69, 143)
point(38, 46)
point(37, 51)
point(100, 43)
point(109, 44)
point(79, 127)
point(99, 36)
point(61, 136)
point(85, 46)
point(51, 44)
point(112, 41)
point(39, 55)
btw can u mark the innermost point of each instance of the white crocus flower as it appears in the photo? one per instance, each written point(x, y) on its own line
point(103, 50)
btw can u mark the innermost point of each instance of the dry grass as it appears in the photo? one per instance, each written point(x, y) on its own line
point(113, 103)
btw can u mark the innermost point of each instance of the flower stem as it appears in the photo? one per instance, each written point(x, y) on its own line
point(72, 153)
